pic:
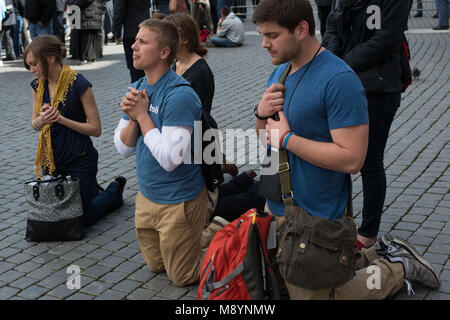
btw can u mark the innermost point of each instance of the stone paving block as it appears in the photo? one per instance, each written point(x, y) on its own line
point(11, 276)
point(44, 258)
point(101, 240)
point(142, 294)
point(114, 245)
point(126, 252)
point(96, 271)
point(99, 254)
point(408, 226)
point(157, 284)
point(33, 292)
point(61, 292)
point(22, 283)
point(85, 263)
point(127, 285)
point(80, 296)
point(96, 287)
point(142, 275)
point(439, 248)
point(420, 240)
point(46, 297)
point(111, 261)
point(438, 296)
point(114, 277)
point(57, 264)
point(52, 281)
point(40, 273)
point(173, 292)
point(8, 252)
point(112, 295)
point(36, 250)
point(5, 266)
point(427, 232)
point(7, 292)
point(128, 266)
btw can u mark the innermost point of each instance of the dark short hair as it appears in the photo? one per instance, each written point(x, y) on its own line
point(225, 10)
point(43, 47)
point(189, 31)
point(286, 13)
point(167, 35)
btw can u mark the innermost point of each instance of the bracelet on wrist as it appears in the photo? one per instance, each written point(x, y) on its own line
point(282, 138)
point(286, 139)
point(255, 111)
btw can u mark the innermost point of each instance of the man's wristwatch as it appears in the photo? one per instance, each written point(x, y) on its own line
point(255, 111)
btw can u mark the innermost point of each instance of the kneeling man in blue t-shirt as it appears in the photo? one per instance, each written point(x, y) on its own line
point(159, 112)
point(323, 126)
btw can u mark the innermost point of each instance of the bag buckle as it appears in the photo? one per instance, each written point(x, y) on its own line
point(290, 196)
point(283, 167)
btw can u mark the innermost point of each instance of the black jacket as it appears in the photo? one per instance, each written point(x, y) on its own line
point(129, 13)
point(373, 54)
point(19, 7)
point(40, 10)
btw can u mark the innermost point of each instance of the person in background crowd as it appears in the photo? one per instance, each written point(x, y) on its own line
point(66, 115)
point(58, 20)
point(323, 7)
point(39, 14)
point(443, 13)
point(7, 30)
point(19, 10)
point(190, 62)
point(230, 30)
point(127, 16)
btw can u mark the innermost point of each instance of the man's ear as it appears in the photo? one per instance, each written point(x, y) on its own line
point(302, 30)
point(165, 52)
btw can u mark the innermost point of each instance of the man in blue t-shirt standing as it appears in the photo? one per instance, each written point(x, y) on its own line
point(324, 128)
point(159, 112)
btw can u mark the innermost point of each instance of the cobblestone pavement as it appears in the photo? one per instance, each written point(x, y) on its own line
point(417, 160)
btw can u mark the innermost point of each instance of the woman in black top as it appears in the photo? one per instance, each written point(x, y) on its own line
point(190, 63)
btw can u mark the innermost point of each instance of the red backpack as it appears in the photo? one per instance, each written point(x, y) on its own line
point(236, 265)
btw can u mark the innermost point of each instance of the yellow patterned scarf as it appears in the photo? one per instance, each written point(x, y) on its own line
point(44, 153)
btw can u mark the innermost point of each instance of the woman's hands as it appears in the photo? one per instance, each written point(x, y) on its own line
point(49, 114)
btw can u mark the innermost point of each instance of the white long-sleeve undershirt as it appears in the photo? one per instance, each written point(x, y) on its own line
point(167, 147)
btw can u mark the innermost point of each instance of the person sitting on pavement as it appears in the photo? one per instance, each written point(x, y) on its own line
point(230, 30)
point(66, 114)
point(323, 115)
point(171, 204)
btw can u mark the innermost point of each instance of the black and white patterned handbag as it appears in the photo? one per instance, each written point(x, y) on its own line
point(55, 211)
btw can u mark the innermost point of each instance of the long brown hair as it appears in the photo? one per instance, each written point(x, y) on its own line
point(43, 47)
point(189, 31)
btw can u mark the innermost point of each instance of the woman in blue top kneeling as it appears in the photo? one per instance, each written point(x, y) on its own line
point(66, 114)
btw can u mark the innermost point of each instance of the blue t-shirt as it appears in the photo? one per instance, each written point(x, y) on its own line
point(330, 96)
point(169, 106)
point(68, 144)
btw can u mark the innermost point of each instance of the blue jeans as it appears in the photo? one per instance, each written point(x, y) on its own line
point(442, 10)
point(382, 108)
point(236, 197)
point(17, 30)
point(36, 30)
point(96, 204)
point(224, 42)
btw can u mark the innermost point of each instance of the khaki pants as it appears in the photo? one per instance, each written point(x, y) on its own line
point(169, 236)
point(364, 286)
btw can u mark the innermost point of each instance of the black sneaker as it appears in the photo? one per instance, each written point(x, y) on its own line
point(416, 268)
point(122, 181)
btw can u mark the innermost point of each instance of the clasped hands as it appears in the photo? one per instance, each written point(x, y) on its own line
point(272, 102)
point(49, 114)
point(135, 104)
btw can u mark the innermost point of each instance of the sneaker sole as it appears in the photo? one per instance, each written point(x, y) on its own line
point(416, 255)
